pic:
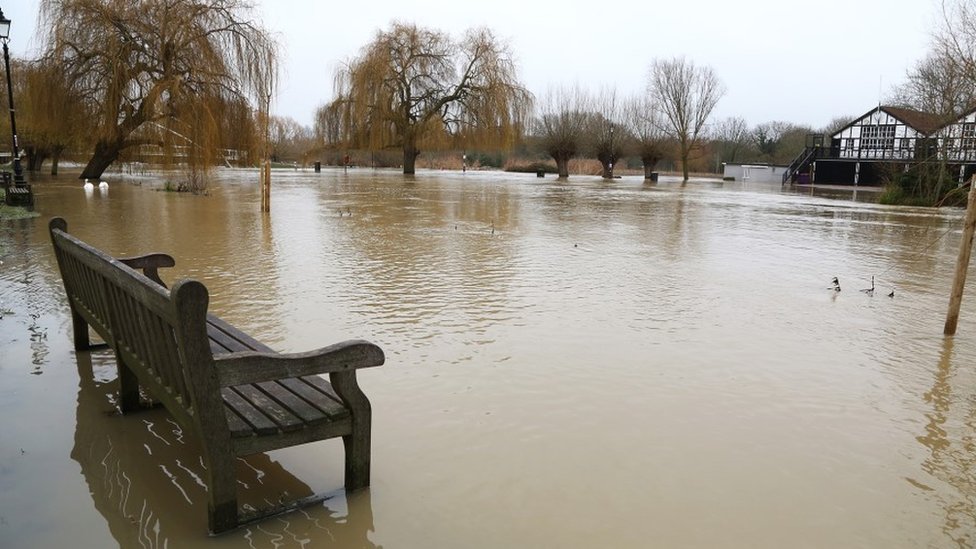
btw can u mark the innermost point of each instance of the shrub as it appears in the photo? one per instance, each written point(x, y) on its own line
point(920, 185)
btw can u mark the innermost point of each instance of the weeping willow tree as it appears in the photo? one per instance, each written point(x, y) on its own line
point(412, 87)
point(51, 112)
point(152, 69)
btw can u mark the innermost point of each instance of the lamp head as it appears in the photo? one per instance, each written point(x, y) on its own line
point(4, 26)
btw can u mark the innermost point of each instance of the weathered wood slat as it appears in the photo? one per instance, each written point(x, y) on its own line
point(280, 415)
point(224, 342)
point(260, 423)
point(238, 427)
point(249, 367)
point(296, 405)
point(236, 339)
point(311, 388)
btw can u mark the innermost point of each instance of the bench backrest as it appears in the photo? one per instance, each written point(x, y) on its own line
point(160, 334)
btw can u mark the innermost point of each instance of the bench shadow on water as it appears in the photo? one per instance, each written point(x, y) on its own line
point(145, 478)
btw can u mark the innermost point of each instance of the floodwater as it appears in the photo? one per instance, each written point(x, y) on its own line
point(581, 364)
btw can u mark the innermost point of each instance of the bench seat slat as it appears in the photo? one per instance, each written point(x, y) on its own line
point(308, 414)
point(325, 387)
point(259, 423)
point(238, 427)
point(281, 416)
point(307, 388)
point(232, 339)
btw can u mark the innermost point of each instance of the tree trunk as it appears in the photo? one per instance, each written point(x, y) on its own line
point(410, 154)
point(105, 153)
point(35, 157)
point(562, 165)
point(685, 153)
point(55, 159)
point(607, 170)
point(650, 162)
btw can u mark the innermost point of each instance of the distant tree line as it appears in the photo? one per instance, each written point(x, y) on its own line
point(192, 77)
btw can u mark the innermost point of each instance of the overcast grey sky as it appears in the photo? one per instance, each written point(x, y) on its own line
point(802, 62)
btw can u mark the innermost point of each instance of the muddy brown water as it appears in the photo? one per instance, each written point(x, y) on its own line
point(574, 364)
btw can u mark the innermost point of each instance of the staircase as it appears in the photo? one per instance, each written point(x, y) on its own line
point(800, 163)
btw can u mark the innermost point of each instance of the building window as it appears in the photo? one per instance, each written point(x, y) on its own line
point(878, 137)
point(969, 136)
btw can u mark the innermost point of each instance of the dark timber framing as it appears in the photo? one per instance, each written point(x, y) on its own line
point(234, 393)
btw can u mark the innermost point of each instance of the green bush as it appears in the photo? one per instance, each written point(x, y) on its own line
point(921, 185)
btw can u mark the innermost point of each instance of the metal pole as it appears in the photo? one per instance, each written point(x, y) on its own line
point(962, 264)
point(18, 174)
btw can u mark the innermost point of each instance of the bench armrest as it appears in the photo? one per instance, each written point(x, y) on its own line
point(255, 367)
point(149, 263)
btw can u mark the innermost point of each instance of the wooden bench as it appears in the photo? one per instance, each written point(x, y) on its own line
point(235, 394)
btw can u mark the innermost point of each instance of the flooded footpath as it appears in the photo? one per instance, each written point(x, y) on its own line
point(569, 364)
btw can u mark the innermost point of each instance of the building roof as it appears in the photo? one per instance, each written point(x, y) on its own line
point(924, 122)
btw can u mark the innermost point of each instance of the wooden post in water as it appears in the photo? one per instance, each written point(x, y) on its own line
point(266, 186)
point(962, 264)
point(266, 167)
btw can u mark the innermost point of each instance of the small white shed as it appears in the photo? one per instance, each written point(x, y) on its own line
point(753, 173)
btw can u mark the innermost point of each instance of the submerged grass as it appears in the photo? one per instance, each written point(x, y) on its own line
point(14, 212)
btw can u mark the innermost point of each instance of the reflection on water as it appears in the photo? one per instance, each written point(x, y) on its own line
point(145, 477)
point(574, 364)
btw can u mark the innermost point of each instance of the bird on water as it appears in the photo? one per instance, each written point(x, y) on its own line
point(870, 291)
point(836, 285)
point(89, 186)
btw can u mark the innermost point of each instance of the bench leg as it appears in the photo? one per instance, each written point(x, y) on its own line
point(128, 387)
point(357, 456)
point(222, 493)
point(80, 330)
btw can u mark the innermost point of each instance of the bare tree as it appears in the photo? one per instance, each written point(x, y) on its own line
point(561, 125)
point(644, 124)
point(937, 84)
point(732, 137)
point(686, 95)
point(289, 139)
point(412, 86)
point(610, 136)
point(955, 40)
point(836, 124)
point(169, 62)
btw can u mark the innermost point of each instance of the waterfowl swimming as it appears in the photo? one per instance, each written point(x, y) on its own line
point(836, 285)
point(870, 291)
point(89, 186)
point(103, 185)
point(892, 294)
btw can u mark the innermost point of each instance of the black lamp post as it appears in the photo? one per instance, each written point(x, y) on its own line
point(5, 37)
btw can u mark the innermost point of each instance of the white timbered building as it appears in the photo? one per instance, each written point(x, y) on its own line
point(883, 140)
